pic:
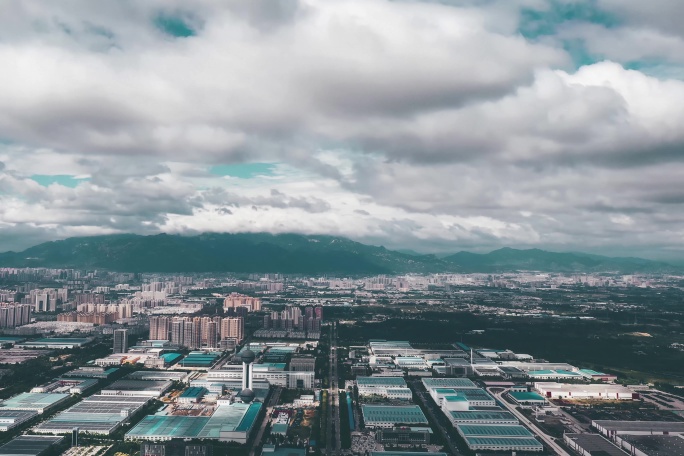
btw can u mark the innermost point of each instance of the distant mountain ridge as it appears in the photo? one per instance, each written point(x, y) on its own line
point(294, 253)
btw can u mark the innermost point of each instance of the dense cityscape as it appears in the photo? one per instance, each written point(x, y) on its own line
point(278, 364)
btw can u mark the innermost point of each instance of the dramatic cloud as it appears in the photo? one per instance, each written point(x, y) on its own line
point(436, 126)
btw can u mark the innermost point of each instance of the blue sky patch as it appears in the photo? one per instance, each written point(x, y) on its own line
point(535, 23)
point(60, 179)
point(539, 24)
point(174, 26)
point(243, 170)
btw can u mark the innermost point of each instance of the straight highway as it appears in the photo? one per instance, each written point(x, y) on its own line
point(333, 443)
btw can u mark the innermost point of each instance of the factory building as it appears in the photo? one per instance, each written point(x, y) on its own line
point(651, 445)
point(273, 373)
point(401, 394)
point(36, 402)
point(591, 445)
point(97, 414)
point(499, 438)
point(553, 390)
point(527, 399)
point(386, 416)
point(404, 435)
point(594, 375)
point(57, 343)
point(476, 397)
point(192, 395)
point(301, 363)
point(12, 418)
point(31, 445)
point(611, 429)
point(378, 386)
point(481, 417)
point(461, 383)
point(229, 422)
point(144, 388)
point(548, 374)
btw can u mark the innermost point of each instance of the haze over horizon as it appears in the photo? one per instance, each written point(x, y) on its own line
point(431, 126)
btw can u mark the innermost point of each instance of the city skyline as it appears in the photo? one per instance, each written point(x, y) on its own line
point(432, 126)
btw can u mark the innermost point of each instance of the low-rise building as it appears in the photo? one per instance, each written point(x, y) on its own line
point(499, 438)
point(12, 418)
point(553, 390)
point(385, 416)
point(611, 429)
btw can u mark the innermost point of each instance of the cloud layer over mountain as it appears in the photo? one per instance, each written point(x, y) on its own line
point(436, 126)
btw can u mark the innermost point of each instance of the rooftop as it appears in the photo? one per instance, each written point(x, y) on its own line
point(10, 416)
point(61, 340)
point(269, 367)
point(431, 383)
point(640, 426)
point(171, 357)
point(28, 445)
point(381, 381)
point(474, 394)
point(591, 372)
point(478, 415)
point(410, 414)
point(96, 413)
point(484, 430)
point(504, 441)
point(194, 391)
point(526, 396)
point(455, 398)
point(658, 445)
point(156, 375)
point(33, 401)
point(595, 444)
point(144, 385)
point(230, 417)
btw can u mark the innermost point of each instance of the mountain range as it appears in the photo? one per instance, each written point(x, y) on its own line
point(294, 253)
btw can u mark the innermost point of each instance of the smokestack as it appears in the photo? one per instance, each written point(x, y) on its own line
point(245, 375)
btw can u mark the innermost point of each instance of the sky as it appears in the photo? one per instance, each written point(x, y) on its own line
point(435, 126)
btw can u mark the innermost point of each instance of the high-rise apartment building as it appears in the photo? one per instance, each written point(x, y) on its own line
point(13, 315)
point(233, 328)
point(159, 328)
point(178, 331)
point(292, 318)
point(212, 334)
point(197, 332)
point(120, 340)
point(235, 300)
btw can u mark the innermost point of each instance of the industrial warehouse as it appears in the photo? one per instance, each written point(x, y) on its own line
point(98, 414)
point(12, 418)
point(145, 388)
point(36, 402)
point(382, 416)
point(229, 422)
point(473, 412)
point(611, 429)
point(582, 391)
point(499, 438)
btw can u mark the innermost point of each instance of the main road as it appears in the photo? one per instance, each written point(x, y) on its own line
point(272, 402)
point(533, 427)
point(333, 425)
